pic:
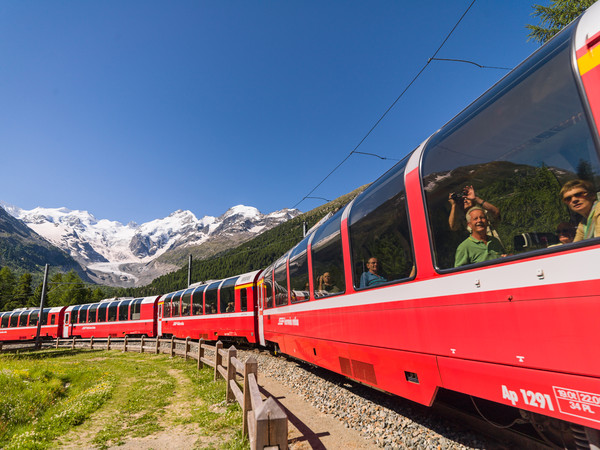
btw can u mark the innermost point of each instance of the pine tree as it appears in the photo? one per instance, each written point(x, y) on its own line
point(7, 287)
point(555, 17)
point(23, 292)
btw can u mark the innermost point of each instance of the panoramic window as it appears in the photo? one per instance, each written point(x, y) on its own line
point(83, 314)
point(210, 298)
point(75, 314)
point(23, 319)
point(92, 313)
point(4, 321)
point(327, 258)
point(102, 312)
point(176, 304)
point(45, 313)
point(299, 272)
point(380, 240)
point(112, 311)
point(167, 305)
point(268, 289)
point(227, 300)
point(136, 308)
point(508, 156)
point(280, 277)
point(197, 300)
point(124, 310)
point(33, 318)
point(186, 302)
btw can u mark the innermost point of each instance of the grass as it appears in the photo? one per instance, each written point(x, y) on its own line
point(54, 398)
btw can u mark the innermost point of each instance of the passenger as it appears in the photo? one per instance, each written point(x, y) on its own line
point(326, 286)
point(580, 196)
point(372, 277)
point(565, 232)
point(230, 307)
point(479, 246)
point(461, 204)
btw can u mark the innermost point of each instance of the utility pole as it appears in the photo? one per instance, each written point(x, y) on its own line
point(190, 270)
point(38, 341)
point(304, 229)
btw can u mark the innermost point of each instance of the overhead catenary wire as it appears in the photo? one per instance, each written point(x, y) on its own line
point(354, 150)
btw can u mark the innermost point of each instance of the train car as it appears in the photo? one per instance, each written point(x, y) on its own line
point(114, 317)
point(388, 292)
point(21, 324)
point(221, 309)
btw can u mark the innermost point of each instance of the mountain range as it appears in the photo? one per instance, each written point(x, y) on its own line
point(132, 255)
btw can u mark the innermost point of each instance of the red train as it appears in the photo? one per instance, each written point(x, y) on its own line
point(391, 291)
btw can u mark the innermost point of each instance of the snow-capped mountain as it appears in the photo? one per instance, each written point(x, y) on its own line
point(126, 254)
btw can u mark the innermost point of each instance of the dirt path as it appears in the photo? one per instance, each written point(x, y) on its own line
point(308, 427)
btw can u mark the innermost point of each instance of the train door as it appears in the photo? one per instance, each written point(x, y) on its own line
point(66, 324)
point(259, 312)
point(159, 318)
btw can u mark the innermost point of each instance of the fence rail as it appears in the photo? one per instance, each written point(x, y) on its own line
point(264, 422)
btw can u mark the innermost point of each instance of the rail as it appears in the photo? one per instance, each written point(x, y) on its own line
point(264, 422)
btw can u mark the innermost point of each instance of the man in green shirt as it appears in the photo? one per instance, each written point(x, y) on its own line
point(479, 246)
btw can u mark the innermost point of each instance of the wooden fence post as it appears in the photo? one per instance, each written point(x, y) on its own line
point(142, 345)
point(250, 366)
point(108, 343)
point(172, 346)
point(231, 353)
point(200, 354)
point(57, 341)
point(271, 426)
point(0, 346)
point(92, 343)
point(125, 344)
point(218, 358)
point(157, 344)
point(73, 343)
point(187, 347)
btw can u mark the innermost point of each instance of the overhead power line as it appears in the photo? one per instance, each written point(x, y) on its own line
point(470, 62)
point(354, 150)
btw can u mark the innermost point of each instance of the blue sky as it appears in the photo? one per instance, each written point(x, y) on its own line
point(134, 109)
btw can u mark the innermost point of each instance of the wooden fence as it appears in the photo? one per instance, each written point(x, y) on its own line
point(265, 423)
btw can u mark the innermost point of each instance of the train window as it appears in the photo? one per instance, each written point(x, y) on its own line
point(124, 310)
point(327, 259)
point(83, 313)
point(14, 319)
point(136, 308)
point(33, 318)
point(52, 319)
point(227, 298)
point(210, 298)
point(45, 313)
point(509, 154)
point(167, 305)
point(102, 312)
point(380, 241)
point(280, 281)
point(4, 320)
point(112, 311)
point(176, 304)
point(23, 319)
point(75, 313)
point(244, 299)
point(92, 313)
point(299, 272)
point(268, 289)
point(197, 300)
point(186, 302)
